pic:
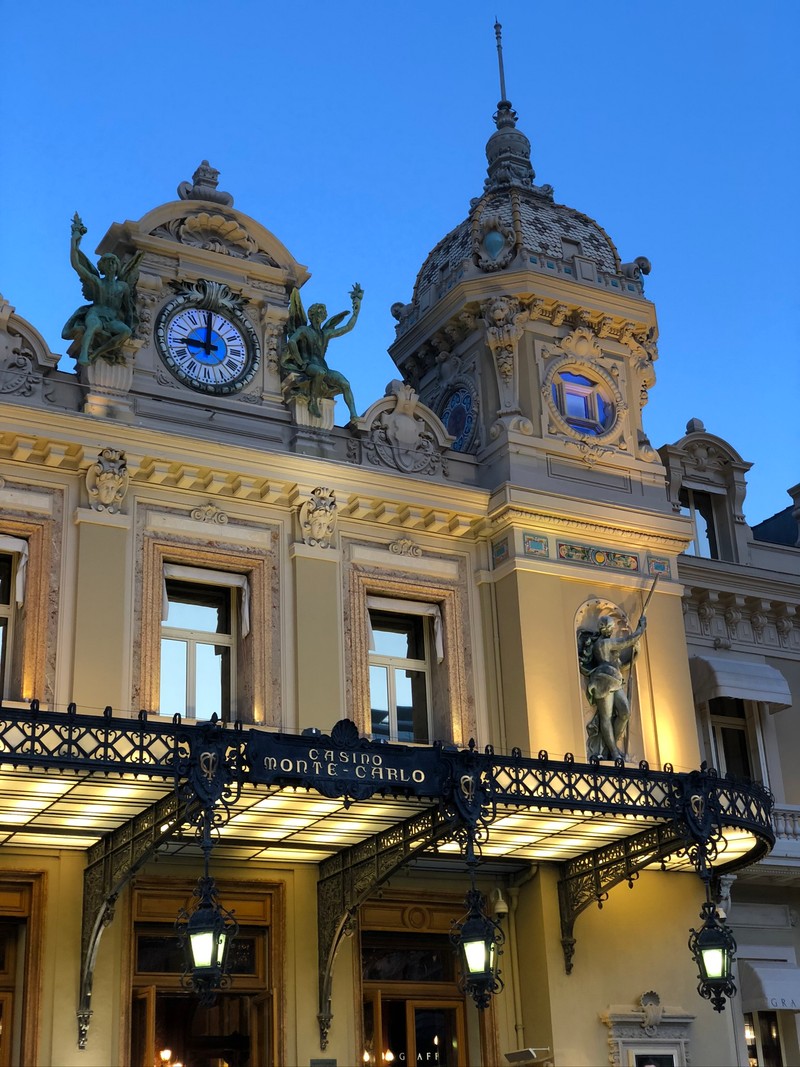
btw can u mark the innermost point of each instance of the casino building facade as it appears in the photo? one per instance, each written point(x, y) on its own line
point(368, 677)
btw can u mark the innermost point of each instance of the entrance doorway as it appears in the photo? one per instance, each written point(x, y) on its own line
point(169, 1029)
point(413, 1010)
point(422, 1030)
point(169, 1025)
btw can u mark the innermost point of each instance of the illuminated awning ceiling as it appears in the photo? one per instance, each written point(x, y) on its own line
point(67, 811)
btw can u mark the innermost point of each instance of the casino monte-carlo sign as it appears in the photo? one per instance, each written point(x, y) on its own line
point(345, 764)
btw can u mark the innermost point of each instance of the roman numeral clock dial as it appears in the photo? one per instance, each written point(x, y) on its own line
point(205, 348)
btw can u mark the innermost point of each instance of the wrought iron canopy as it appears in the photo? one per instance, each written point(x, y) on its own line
point(70, 780)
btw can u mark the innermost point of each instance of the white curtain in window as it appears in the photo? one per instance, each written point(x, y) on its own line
point(408, 607)
point(198, 574)
point(16, 544)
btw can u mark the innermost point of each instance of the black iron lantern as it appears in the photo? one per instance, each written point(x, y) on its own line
point(479, 941)
point(713, 949)
point(206, 934)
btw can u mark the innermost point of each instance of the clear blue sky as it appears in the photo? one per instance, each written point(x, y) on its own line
point(356, 134)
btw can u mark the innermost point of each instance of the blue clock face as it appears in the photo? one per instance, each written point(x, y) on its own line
point(209, 350)
point(205, 349)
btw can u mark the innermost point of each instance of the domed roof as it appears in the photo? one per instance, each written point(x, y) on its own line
point(515, 220)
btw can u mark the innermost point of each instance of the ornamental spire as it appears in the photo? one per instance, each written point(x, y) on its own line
point(498, 32)
point(508, 150)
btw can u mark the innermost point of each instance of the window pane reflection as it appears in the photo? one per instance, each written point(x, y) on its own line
point(172, 699)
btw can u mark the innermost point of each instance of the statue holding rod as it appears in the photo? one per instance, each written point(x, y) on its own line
point(101, 327)
point(603, 656)
point(306, 373)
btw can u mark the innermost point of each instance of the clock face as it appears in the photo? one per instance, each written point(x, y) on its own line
point(206, 350)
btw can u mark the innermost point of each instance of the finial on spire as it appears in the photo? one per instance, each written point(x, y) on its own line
point(498, 32)
point(508, 151)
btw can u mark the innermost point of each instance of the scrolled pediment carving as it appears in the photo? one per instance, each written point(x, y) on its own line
point(403, 433)
point(214, 232)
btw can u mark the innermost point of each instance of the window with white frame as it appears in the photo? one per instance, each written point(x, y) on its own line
point(13, 560)
point(700, 508)
point(763, 1037)
point(736, 738)
point(404, 639)
point(6, 617)
point(584, 404)
point(203, 614)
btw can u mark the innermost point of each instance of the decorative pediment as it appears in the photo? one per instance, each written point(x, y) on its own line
point(215, 232)
point(402, 433)
point(25, 358)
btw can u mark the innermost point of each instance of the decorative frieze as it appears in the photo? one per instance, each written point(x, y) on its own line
point(732, 620)
point(597, 557)
point(533, 545)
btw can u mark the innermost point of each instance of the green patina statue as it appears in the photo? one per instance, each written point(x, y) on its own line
point(100, 328)
point(304, 368)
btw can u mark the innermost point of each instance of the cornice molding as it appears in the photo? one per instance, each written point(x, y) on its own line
point(628, 535)
point(737, 578)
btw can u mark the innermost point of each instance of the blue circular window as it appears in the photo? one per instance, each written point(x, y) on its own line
point(459, 417)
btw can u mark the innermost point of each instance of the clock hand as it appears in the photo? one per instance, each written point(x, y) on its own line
point(208, 334)
point(187, 340)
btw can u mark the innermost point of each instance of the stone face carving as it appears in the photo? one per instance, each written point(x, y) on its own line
point(400, 438)
point(107, 481)
point(318, 519)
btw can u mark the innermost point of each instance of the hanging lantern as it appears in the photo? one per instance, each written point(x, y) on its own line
point(479, 941)
point(713, 949)
point(206, 934)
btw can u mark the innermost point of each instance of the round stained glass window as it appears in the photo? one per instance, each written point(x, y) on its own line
point(458, 416)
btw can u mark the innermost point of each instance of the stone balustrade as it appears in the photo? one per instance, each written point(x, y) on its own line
point(787, 824)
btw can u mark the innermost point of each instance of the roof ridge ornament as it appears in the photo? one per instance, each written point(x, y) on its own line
point(203, 186)
point(508, 150)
